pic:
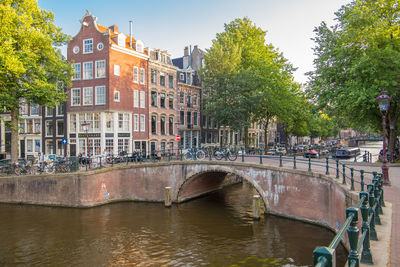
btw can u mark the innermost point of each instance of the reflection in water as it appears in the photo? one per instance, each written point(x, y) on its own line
point(215, 230)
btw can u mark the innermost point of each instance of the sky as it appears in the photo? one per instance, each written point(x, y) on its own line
point(173, 24)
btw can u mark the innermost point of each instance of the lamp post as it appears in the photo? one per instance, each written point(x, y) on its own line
point(384, 103)
point(85, 126)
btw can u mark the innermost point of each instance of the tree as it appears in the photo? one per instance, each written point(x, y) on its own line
point(244, 78)
point(356, 59)
point(31, 67)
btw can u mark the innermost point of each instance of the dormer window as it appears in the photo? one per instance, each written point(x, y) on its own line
point(139, 46)
point(121, 39)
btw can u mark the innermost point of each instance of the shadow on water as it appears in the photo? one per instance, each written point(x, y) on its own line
point(215, 230)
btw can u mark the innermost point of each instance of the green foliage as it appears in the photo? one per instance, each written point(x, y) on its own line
point(356, 59)
point(30, 65)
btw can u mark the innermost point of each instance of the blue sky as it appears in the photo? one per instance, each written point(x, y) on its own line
point(173, 24)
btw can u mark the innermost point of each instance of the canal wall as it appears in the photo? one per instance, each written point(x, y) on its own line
point(296, 194)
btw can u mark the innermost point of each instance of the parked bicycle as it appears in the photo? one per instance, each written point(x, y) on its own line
point(221, 153)
point(194, 155)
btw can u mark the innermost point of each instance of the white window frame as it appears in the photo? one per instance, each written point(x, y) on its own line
point(72, 97)
point(136, 122)
point(142, 76)
point(87, 96)
point(135, 74)
point(97, 95)
point(142, 99)
point(116, 96)
point(86, 47)
point(85, 77)
point(142, 122)
point(103, 62)
point(181, 76)
point(135, 98)
point(57, 127)
point(117, 70)
point(33, 107)
point(78, 75)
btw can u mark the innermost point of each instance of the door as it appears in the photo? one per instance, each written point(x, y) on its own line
point(22, 146)
point(72, 148)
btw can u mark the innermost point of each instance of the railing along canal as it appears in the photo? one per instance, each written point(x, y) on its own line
point(370, 203)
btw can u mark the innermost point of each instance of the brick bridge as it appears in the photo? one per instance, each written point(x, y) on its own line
point(291, 193)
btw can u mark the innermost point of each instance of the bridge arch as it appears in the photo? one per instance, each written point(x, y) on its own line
point(210, 178)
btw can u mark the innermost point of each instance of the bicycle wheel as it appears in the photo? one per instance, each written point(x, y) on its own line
point(232, 156)
point(187, 156)
point(200, 155)
point(218, 155)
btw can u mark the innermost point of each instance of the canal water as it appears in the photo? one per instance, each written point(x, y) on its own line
point(216, 230)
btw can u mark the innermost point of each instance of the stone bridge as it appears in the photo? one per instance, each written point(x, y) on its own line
point(290, 193)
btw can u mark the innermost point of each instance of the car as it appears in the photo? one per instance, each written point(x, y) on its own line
point(311, 154)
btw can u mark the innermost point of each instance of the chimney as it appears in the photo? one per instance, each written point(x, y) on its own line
point(114, 28)
point(130, 33)
point(186, 51)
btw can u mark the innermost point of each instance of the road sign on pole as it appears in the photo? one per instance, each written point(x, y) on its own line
point(64, 141)
point(178, 137)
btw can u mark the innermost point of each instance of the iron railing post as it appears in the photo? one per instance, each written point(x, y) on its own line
point(377, 201)
point(327, 166)
point(280, 160)
point(242, 155)
point(261, 161)
point(294, 161)
point(344, 174)
point(381, 189)
point(337, 169)
point(362, 179)
point(324, 255)
point(366, 256)
point(352, 233)
point(309, 164)
point(352, 179)
point(371, 212)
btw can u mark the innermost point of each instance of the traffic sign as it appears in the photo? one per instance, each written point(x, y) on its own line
point(178, 137)
point(64, 141)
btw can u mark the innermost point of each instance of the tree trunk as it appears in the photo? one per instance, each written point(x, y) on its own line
point(392, 136)
point(14, 135)
point(246, 137)
point(266, 136)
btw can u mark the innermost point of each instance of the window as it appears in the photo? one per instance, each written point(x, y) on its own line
point(100, 69)
point(49, 147)
point(162, 79)
point(88, 70)
point(77, 71)
point(123, 145)
point(37, 126)
point(60, 128)
point(29, 145)
point(162, 100)
point(181, 76)
point(60, 110)
point(182, 116)
point(171, 101)
point(171, 125)
point(142, 123)
point(29, 124)
point(142, 76)
point(34, 109)
point(87, 96)
point(59, 147)
point(170, 81)
point(116, 96)
point(142, 99)
point(135, 98)
point(116, 70)
point(100, 95)
point(153, 78)
point(88, 46)
point(153, 124)
point(100, 46)
point(75, 97)
point(109, 122)
point(153, 99)
point(22, 127)
point(49, 128)
point(195, 100)
point(162, 128)
point(135, 74)
point(189, 78)
point(189, 117)
point(37, 147)
point(195, 118)
point(109, 146)
point(189, 100)
point(182, 98)
point(136, 122)
point(23, 109)
point(49, 112)
point(123, 121)
point(72, 122)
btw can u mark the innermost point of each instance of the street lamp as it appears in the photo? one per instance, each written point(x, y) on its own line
point(384, 103)
point(85, 126)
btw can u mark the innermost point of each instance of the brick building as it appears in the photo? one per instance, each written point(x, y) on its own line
point(108, 101)
point(162, 100)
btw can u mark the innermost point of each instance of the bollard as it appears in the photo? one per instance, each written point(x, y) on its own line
point(371, 200)
point(352, 233)
point(126, 159)
point(100, 162)
point(242, 155)
point(327, 166)
point(344, 174)
point(256, 207)
point(337, 169)
point(309, 164)
point(86, 164)
point(294, 161)
point(280, 160)
point(261, 161)
point(169, 154)
point(209, 153)
point(168, 196)
point(366, 256)
point(362, 179)
point(180, 154)
point(378, 209)
point(112, 161)
point(380, 186)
